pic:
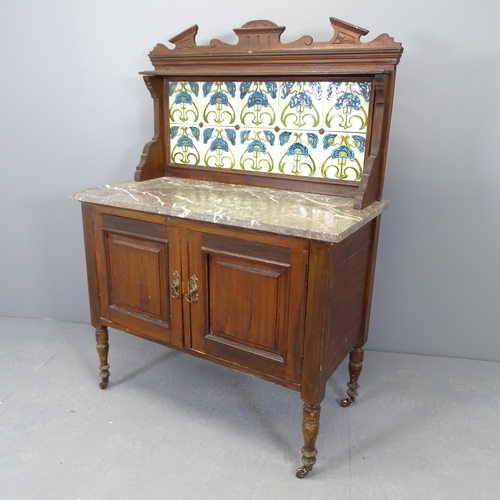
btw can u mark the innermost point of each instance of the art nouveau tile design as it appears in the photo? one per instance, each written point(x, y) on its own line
point(315, 129)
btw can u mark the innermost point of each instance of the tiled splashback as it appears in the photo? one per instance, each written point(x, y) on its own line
point(315, 129)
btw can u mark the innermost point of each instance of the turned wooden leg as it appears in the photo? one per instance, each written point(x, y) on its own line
point(310, 428)
point(101, 335)
point(355, 366)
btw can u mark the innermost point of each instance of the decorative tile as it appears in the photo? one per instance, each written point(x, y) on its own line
point(342, 156)
point(297, 152)
point(309, 129)
point(258, 103)
point(185, 144)
point(301, 104)
point(257, 150)
point(219, 148)
point(346, 106)
point(219, 103)
point(184, 102)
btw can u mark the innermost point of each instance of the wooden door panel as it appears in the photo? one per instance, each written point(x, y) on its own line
point(249, 311)
point(135, 262)
point(137, 276)
point(246, 301)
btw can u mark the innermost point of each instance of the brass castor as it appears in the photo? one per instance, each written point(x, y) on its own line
point(302, 472)
point(346, 402)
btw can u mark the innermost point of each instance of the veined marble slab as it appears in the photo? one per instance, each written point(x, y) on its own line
point(313, 216)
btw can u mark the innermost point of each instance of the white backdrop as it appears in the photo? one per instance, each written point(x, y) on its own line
point(74, 113)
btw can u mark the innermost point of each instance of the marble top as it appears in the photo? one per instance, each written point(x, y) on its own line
point(312, 216)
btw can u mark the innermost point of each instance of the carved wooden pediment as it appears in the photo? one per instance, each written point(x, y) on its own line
point(261, 39)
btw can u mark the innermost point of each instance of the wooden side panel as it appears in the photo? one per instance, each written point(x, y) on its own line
point(336, 308)
point(90, 257)
point(372, 260)
point(348, 308)
point(135, 265)
point(251, 301)
point(318, 300)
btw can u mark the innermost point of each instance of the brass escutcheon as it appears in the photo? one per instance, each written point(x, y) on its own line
point(176, 285)
point(192, 296)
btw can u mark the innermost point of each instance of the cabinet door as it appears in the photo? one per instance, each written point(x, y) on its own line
point(136, 262)
point(250, 304)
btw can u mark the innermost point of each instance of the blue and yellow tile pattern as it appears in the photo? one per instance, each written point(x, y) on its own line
point(315, 129)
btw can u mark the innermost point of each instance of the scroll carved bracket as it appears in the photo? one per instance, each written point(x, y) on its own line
point(152, 160)
point(370, 183)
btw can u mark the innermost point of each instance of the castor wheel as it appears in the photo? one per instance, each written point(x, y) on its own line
point(302, 472)
point(346, 402)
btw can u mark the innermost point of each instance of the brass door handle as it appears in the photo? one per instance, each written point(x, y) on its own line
point(192, 296)
point(176, 285)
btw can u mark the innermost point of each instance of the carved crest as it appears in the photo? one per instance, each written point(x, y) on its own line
point(262, 39)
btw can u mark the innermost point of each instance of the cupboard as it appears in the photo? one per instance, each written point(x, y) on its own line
point(249, 235)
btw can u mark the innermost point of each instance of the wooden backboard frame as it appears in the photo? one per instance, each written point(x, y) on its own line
point(259, 53)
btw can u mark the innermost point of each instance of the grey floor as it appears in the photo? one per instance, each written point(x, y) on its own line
point(171, 426)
